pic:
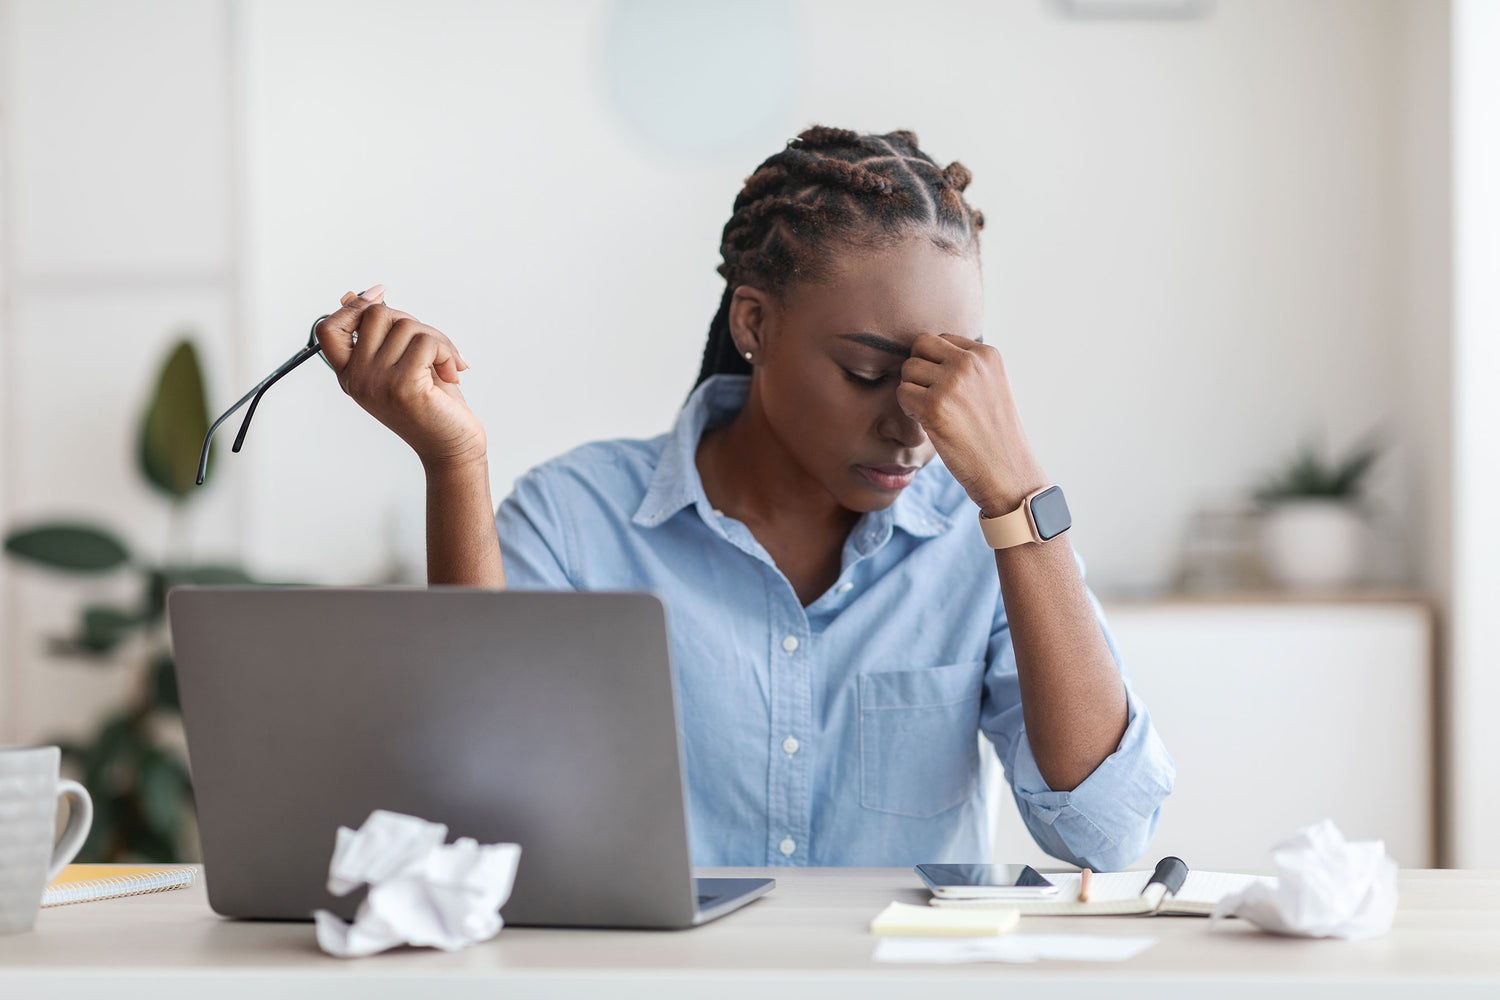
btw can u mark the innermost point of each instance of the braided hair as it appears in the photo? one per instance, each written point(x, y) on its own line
point(832, 188)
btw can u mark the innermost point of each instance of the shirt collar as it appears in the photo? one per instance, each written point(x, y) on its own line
point(675, 484)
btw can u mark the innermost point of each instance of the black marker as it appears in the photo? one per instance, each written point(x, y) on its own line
point(1165, 881)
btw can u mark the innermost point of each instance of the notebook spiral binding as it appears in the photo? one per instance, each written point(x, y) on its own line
point(124, 885)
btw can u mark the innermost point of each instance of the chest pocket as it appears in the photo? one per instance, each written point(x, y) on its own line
point(918, 738)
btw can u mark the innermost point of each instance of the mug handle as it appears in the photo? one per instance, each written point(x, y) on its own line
point(80, 818)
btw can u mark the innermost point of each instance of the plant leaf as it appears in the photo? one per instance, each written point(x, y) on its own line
point(156, 846)
point(113, 752)
point(161, 793)
point(95, 848)
point(76, 648)
point(72, 753)
point(155, 603)
point(108, 767)
point(101, 630)
point(77, 548)
point(104, 627)
point(206, 575)
point(164, 684)
point(141, 792)
point(125, 811)
point(1348, 477)
point(175, 424)
point(183, 775)
point(1309, 475)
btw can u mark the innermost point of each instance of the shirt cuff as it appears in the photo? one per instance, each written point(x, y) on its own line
point(1108, 820)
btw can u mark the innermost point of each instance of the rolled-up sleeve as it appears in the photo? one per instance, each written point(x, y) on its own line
point(534, 542)
point(1107, 821)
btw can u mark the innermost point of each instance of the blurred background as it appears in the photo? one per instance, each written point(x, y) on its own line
point(1240, 258)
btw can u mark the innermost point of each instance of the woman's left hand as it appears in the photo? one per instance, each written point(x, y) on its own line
point(957, 389)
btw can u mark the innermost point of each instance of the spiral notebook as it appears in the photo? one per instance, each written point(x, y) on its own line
point(85, 883)
point(1119, 893)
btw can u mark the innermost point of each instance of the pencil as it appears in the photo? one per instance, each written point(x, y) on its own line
point(1083, 885)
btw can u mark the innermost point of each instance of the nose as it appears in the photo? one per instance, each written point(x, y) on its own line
point(896, 425)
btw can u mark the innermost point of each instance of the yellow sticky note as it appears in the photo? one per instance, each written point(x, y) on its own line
point(906, 919)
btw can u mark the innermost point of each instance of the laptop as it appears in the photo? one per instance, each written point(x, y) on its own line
point(546, 719)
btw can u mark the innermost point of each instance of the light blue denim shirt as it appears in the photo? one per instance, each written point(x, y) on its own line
point(845, 732)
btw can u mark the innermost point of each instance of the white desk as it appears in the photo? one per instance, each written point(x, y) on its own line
point(809, 937)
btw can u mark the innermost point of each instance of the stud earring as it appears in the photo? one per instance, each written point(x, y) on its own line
point(747, 355)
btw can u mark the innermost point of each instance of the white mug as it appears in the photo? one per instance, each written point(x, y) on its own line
point(29, 789)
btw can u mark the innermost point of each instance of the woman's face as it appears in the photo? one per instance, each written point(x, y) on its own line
point(829, 360)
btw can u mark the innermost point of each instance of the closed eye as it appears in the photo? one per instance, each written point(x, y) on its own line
point(867, 382)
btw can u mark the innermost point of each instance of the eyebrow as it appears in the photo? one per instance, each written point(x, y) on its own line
point(879, 343)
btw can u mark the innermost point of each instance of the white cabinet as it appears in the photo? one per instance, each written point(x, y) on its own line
point(1278, 714)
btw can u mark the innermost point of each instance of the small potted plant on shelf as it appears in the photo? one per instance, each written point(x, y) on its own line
point(1314, 531)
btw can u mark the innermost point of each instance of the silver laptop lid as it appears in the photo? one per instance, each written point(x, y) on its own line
point(542, 718)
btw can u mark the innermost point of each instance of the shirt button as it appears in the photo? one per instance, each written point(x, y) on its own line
point(790, 745)
point(789, 847)
point(844, 588)
point(789, 644)
point(718, 512)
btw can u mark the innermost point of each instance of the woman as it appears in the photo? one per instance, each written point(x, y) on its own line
point(840, 627)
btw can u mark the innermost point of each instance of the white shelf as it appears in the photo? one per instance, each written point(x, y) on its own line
point(1280, 713)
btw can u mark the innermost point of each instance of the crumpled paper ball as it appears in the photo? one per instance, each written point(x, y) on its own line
point(422, 891)
point(1326, 886)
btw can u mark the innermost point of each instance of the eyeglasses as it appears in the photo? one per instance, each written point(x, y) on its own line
point(253, 396)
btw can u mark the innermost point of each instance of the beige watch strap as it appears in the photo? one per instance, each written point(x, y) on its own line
point(1008, 530)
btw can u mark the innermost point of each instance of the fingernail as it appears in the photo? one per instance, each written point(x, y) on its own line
point(373, 293)
point(463, 360)
point(348, 298)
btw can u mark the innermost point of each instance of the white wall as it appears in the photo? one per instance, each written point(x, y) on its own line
point(1193, 259)
point(1206, 238)
point(1474, 746)
point(9, 709)
point(117, 236)
point(1424, 168)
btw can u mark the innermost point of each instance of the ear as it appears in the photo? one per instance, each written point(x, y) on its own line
point(749, 311)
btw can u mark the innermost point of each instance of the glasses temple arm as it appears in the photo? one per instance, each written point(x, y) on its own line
point(254, 394)
point(276, 376)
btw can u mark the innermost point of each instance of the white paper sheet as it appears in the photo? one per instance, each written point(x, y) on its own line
point(422, 891)
point(1326, 886)
point(1011, 948)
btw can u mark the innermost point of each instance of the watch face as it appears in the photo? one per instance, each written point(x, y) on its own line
point(1049, 511)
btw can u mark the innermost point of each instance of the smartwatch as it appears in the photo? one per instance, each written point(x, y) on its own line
point(1042, 515)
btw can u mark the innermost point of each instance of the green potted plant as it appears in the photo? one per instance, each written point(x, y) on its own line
point(1314, 527)
point(138, 781)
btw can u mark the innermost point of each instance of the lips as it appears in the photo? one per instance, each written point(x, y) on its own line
point(889, 477)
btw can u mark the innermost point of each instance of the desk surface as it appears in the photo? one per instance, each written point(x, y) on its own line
point(808, 937)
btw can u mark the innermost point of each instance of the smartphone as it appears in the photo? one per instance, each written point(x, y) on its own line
point(985, 881)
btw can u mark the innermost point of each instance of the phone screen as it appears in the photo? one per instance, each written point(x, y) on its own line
point(985, 876)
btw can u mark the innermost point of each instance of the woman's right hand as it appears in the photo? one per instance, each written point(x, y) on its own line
point(405, 374)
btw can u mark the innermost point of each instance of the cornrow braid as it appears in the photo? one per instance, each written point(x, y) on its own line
point(832, 188)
